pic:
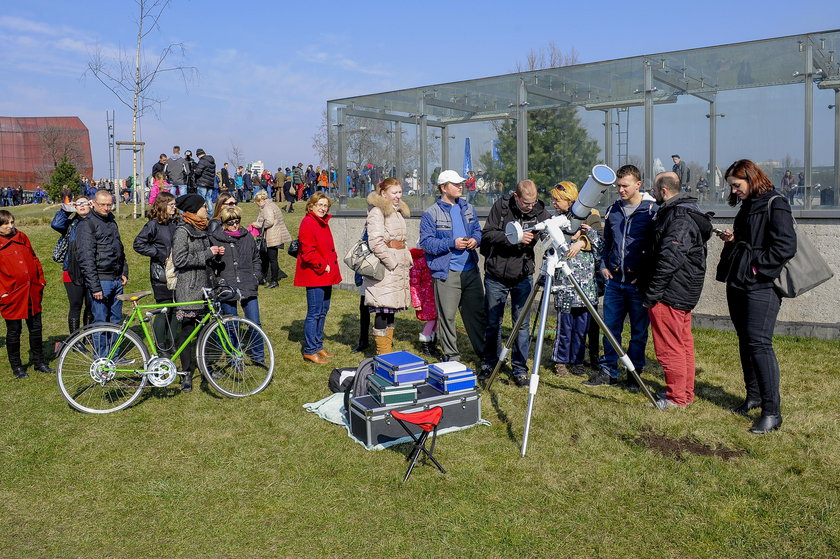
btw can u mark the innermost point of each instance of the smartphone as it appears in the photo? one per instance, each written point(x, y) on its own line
point(717, 231)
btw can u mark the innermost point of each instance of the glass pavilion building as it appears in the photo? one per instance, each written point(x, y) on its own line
point(775, 101)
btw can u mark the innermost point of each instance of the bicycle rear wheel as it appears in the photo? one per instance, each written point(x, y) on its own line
point(95, 379)
point(235, 356)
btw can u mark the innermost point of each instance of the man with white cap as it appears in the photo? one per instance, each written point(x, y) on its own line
point(449, 234)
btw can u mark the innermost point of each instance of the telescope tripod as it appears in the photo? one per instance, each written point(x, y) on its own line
point(551, 263)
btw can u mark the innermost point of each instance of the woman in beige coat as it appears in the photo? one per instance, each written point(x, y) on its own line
point(270, 221)
point(386, 232)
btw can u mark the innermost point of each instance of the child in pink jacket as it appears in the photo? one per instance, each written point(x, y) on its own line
point(159, 185)
point(423, 300)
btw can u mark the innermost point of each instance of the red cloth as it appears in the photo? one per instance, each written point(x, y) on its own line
point(674, 346)
point(422, 287)
point(426, 420)
point(21, 278)
point(470, 184)
point(317, 250)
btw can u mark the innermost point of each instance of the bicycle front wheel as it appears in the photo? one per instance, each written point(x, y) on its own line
point(235, 356)
point(99, 372)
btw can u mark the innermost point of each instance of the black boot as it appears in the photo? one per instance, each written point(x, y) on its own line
point(362, 345)
point(19, 372)
point(73, 324)
point(746, 406)
point(43, 367)
point(765, 424)
point(186, 384)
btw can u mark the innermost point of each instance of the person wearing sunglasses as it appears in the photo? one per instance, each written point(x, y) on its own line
point(225, 200)
point(66, 220)
point(239, 266)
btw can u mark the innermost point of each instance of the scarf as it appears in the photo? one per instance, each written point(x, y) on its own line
point(195, 221)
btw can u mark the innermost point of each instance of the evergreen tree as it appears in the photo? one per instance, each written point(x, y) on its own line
point(558, 149)
point(65, 173)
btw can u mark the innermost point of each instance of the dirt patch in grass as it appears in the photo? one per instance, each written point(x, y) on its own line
point(679, 447)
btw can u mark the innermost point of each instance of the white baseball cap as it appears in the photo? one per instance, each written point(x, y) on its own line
point(450, 176)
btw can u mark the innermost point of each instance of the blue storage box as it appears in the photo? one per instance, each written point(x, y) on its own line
point(448, 386)
point(450, 370)
point(401, 367)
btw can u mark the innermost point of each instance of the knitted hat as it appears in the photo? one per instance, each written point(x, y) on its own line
point(189, 203)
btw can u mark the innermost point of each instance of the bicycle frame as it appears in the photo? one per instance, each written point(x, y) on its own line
point(137, 314)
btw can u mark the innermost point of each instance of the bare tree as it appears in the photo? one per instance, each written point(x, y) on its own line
point(550, 56)
point(57, 143)
point(321, 141)
point(235, 154)
point(131, 79)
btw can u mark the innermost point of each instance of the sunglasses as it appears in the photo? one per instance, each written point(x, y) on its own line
point(232, 221)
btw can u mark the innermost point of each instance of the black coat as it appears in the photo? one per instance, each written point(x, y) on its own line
point(760, 242)
point(240, 265)
point(99, 250)
point(155, 241)
point(205, 171)
point(503, 261)
point(678, 262)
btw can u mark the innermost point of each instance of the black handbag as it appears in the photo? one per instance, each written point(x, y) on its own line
point(294, 248)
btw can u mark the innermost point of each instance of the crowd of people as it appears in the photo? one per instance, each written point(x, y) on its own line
point(647, 260)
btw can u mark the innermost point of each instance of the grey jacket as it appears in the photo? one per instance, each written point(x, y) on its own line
point(191, 256)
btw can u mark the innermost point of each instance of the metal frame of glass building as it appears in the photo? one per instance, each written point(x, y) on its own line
point(773, 94)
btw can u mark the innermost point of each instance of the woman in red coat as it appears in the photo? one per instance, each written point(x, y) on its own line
point(21, 291)
point(317, 271)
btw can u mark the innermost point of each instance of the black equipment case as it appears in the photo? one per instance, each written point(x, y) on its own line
point(371, 423)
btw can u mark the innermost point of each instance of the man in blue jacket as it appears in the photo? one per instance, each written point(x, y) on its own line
point(628, 230)
point(449, 234)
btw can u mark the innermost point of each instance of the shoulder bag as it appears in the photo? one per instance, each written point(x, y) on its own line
point(805, 271)
point(364, 262)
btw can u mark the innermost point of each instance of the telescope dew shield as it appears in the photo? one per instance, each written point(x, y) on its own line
point(513, 232)
point(596, 185)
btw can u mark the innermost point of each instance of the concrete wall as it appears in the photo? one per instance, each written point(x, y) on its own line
point(814, 314)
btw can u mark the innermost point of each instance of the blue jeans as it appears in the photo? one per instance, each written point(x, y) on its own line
point(569, 345)
point(251, 308)
point(495, 296)
point(207, 194)
point(107, 309)
point(179, 190)
point(621, 300)
point(317, 306)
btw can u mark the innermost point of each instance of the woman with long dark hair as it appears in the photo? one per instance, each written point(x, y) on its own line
point(761, 242)
point(66, 219)
point(155, 241)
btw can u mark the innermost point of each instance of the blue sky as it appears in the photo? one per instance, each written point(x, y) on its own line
point(266, 68)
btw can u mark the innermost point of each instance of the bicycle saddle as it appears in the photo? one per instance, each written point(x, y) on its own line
point(133, 296)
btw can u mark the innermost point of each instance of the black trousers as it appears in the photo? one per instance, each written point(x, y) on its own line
point(189, 362)
point(754, 317)
point(76, 296)
point(270, 267)
point(14, 328)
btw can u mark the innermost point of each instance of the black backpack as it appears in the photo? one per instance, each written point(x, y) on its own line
point(355, 383)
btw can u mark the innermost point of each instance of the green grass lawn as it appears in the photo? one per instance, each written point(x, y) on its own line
point(197, 475)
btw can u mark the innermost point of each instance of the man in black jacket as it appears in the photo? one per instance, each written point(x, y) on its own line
point(205, 172)
point(102, 259)
point(508, 270)
point(677, 271)
point(160, 166)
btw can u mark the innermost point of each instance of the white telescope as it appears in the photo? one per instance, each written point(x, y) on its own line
point(596, 185)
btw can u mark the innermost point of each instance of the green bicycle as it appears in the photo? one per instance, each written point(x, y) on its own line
point(105, 367)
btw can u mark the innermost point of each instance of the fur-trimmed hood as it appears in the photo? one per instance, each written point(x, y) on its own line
point(377, 200)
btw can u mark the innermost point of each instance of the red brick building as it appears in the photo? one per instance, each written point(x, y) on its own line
point(31, 146)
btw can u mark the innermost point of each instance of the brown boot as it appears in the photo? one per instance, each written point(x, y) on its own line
point(384, 340)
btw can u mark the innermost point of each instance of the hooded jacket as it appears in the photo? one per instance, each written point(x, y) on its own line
point(505, 262)
point(627, 239)
point(678, 254)
point(385, 224)
point(240, 265)
point(205, 171)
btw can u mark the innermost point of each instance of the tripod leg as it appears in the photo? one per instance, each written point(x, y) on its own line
point(623, 357)
point(512, 338)
point(535, 375)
